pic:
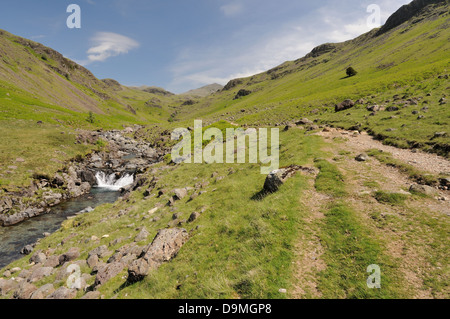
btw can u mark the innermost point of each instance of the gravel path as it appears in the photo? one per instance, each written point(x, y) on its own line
point(426, 162)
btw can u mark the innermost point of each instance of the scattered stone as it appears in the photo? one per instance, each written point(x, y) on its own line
point(100, 252)
point(40, 273)
point(440, 134)
point(92, 295)
point(20, 160)
point(25, 290)
point(347, 104)
point(72, 254)
point(26, 250)
point(63, 293)
point(143, 234)
point(392, 108)
point(278, 177)
point(92, 261)
point(362, 157)
point(7, 285)
point(193, 217)
point(109, 271)
point(46, 234)
point(180, 193)
point(282, 290)
point(52, 261)
point(423, 189)
point(38, 258)
point(7, 274)
point(164, 247)
point(43, 292)
point(15, 269)
point(304, 121)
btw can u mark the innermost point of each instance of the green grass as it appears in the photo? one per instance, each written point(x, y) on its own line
point(350, 246)
point(390, 198)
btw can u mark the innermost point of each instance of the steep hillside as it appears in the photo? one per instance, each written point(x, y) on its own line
point(33, 76)
point(204, 90)
point(408, 59)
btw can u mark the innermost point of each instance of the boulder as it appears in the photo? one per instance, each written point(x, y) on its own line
point(304, 121)
point(362, 157)
point(278, 177)
point(7, 285)
point(194, 216)
point(40, 273)
point(106, 273)
point(345, 105)
point(43, 292)
point(72, 254)
point(180, 193)
point(423, 189)
point(392, 108)
point(165, 246)
point(24, 291)
point(143, 234)
point(38, 258)
point(92, 261)
point(63, 293)
point(52, 261)
point(92, 295)
point(100, 252)
point(26, 250)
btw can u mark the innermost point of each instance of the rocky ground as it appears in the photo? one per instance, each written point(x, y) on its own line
point(116, 153)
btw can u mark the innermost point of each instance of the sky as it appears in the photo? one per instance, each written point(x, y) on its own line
point(185, 44)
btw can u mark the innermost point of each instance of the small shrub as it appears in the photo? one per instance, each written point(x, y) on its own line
point(91, 117)
point(351, 72)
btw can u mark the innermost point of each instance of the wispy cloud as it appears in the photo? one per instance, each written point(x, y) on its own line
point(107, 45)
point(233, 58)
point(232, 9)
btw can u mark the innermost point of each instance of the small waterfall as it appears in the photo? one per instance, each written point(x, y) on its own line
point(111, 182)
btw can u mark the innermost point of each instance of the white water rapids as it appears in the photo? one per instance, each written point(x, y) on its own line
point(110, 182)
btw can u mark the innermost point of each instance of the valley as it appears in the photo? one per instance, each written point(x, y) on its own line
point(363, 178)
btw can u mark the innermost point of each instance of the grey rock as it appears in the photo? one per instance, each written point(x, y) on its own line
point(43, 292)
point(423, 189)
point(24, 291)
point(92, 295)
point(143, 234)
point(40, 273)
point(63, 293)
point(164, 247)
point(194, 216)
point(72, 254)
point(38, 258)
point(106, 273)
point(362, 157)
point(92, 261)
point(180, 193)
point(101, 252)
point(7, 285)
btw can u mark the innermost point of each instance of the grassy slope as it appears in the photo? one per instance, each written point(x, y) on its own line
point(246, 248)
point(405, 61)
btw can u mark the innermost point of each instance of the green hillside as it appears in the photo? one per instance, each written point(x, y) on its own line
point(410, 60)
point(350, 201)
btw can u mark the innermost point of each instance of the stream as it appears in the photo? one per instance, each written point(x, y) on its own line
point(14, 238)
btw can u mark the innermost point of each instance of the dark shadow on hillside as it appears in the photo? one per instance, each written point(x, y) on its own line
point(260, 195)
point(123, 286)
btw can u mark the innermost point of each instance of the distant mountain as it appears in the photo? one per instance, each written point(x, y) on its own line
point(204, 91)
point(154, 90)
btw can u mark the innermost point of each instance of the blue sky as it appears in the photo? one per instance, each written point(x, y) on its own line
point(185, 44)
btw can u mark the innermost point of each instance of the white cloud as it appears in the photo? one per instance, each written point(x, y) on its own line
point(233, 58)
point(108, 44)
point(232, 9)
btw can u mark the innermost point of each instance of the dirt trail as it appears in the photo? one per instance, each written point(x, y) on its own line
point(426, 162)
